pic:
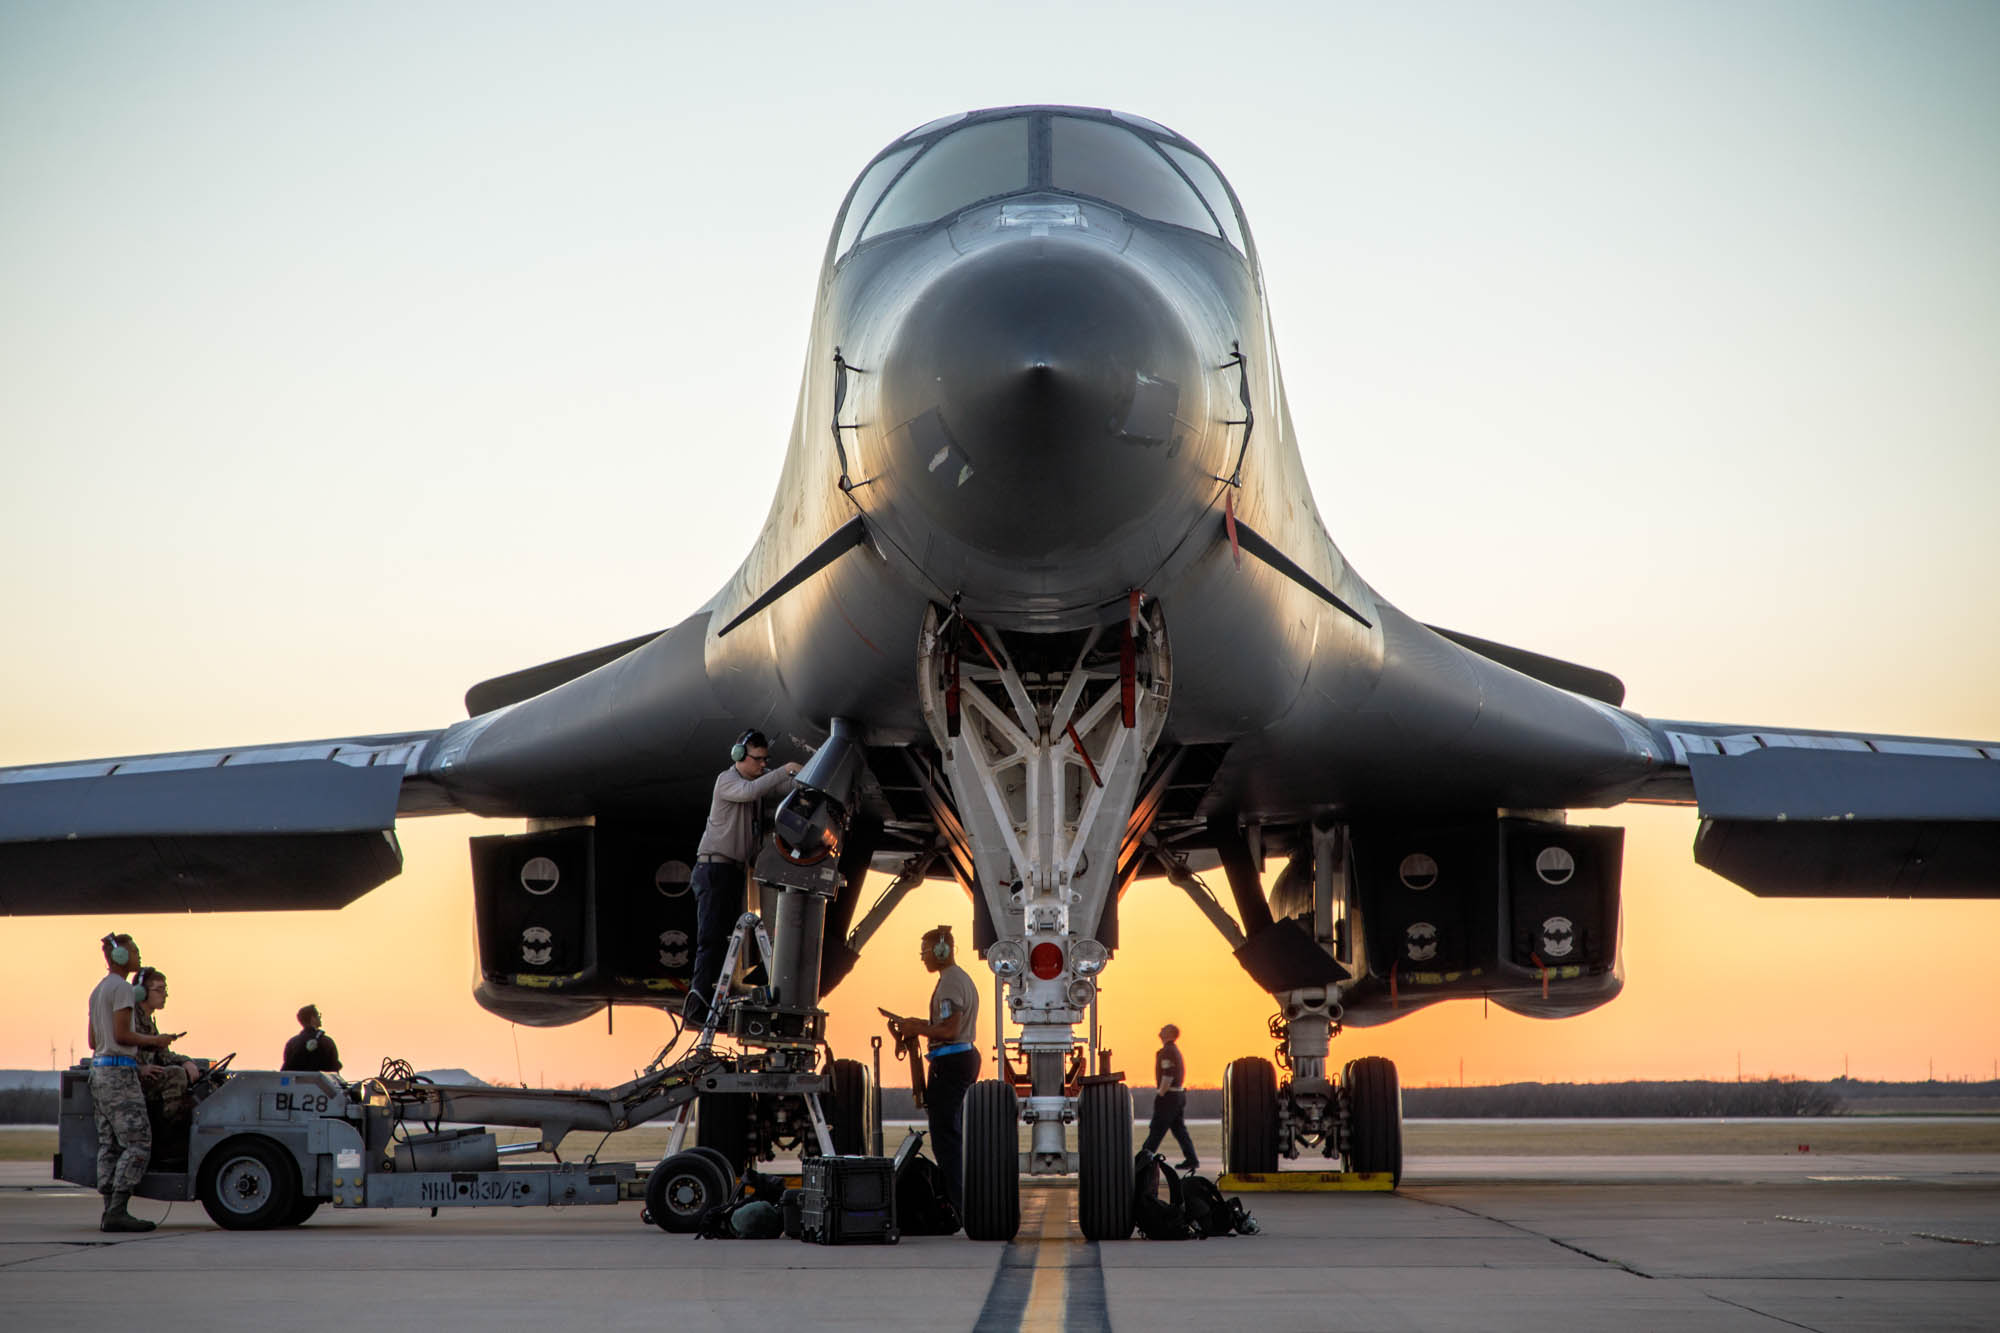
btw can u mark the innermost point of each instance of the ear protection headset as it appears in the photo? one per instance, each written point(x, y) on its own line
point(741, 750)
point(941, 946)
point(117, 953)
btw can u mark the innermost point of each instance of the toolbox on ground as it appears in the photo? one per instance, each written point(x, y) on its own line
point(848, 1201)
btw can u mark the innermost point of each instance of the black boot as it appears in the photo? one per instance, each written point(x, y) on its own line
point(116, 1218)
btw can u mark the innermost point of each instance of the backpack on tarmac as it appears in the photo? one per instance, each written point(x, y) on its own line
point(756, 1219)
point(1202, 1202)
point(923, 1205)
point(756, 1212)
point(1159, 1218)
point(1213, 1214)
point(923, 1208)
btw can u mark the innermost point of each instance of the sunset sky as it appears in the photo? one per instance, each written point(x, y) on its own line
point(351, 354)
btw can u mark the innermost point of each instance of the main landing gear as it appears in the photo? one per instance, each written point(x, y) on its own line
point(1358, 1120)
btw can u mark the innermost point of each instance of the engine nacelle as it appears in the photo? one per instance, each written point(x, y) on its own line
point(571, 919)
point(1520, 911)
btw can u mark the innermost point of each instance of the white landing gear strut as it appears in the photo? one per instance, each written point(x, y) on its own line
point(1045, 739)
point(747, 1023)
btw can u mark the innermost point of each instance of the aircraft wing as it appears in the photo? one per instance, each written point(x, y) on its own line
point(304, 825)
point(1789, 813)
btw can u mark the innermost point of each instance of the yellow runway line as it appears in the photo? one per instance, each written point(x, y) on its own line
point(1048, 1297)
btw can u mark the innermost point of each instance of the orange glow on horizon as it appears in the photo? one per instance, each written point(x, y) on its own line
point(1887, 990)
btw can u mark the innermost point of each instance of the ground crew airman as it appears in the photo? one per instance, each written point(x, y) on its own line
point(310, 1047)
point(954, 1060)
point(721, 871)
point(165, 1076)
point(1170, 1100)
point(124, 1138)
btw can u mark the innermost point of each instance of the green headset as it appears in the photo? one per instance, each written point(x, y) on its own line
point(941, 947)
point(741, 750)
point(119, 954)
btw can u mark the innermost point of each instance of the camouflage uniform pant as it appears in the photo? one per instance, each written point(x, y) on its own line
point(124, 1138)
point(166, 1088)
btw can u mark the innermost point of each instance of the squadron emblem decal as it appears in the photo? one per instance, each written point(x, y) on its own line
point(540, 876)
point(1420, 941)
point(673, 948)
point(537, 946)
point(1558, 937)
point(1418, 871)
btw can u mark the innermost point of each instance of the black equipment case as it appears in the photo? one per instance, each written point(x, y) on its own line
point(848, 1201)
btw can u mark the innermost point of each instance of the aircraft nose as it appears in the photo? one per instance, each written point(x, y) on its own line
point(1044, 393)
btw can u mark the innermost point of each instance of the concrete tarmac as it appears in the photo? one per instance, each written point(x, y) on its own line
point(1496, 1243)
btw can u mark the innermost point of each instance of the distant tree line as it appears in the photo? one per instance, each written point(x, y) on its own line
point(1542, 1101)
point(29, 1106)
point(1506, 1101)
point(1565, 1101)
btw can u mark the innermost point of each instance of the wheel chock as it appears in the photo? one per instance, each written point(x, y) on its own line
point(1305, 1182)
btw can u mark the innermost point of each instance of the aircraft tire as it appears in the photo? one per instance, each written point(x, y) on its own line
point(846, 1105)
point(1250, 1116)
point(1375, 1116)
point(729, 1175)
point(681, 1189)
point(249, 1184)
point(722, 1122)
point(1104, 1162)
point(992, 1162)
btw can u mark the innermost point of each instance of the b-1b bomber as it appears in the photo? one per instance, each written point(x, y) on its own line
point(1045, 594)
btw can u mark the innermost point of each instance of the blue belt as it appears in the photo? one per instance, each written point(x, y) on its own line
point(114, 1061)
point(952, 1049)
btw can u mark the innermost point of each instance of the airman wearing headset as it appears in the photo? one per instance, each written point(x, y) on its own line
point(310, 1047)
point(164, 1075)
point(721, 869)
point(124, 1138)
point(953, 1059)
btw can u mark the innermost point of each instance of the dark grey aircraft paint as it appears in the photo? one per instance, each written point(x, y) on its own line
point(1041, 378)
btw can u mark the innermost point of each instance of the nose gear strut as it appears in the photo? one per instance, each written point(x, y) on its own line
point(1044, 741)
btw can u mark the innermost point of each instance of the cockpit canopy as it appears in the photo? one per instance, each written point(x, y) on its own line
point(1140, 168)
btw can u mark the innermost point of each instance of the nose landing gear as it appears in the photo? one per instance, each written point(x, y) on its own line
point(1044, 740)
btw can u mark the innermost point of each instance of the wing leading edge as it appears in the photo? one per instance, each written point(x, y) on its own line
point(276, 827)
point(1829, 814)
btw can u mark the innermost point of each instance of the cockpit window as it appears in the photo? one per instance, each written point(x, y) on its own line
point(1113, 164)
point(1196, 169)
point(875, 180)
point(942, 168)
point(977, 162)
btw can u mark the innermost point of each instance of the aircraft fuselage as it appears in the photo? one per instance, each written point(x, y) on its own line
point(1037, 404)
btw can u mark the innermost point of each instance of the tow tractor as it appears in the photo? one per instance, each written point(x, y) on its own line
point(267, 1148)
